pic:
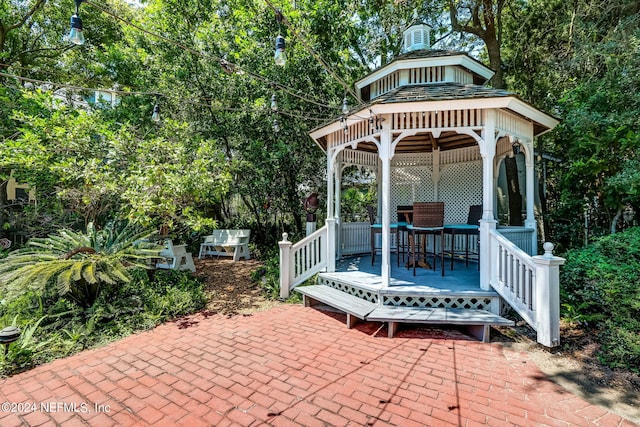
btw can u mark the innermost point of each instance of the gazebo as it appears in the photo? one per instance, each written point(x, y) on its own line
point(431, 130)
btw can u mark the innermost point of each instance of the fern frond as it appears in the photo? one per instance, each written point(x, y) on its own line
point(76, 270)
point(89, 272)
point(120, 273)
point(104, 277)
point(64, 281)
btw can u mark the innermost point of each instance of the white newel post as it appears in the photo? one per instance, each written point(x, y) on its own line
point(285, 265)
point(547, 302)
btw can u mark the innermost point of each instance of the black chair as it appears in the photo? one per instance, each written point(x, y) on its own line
point(376, 228)
point(471, 228)
point(405, 217)
point(428, 219)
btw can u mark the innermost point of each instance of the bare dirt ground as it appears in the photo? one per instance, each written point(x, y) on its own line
point(574, 365)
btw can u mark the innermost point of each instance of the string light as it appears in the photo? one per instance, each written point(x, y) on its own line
point(345, 106)
point(293, 114)
point(280, 56)
point(274, 103)
point(225, 65)
point(76, 35)
point(276, 126)
point(156, 111)
point(312, 52)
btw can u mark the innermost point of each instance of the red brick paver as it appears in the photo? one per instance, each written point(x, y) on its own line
point(293, 366)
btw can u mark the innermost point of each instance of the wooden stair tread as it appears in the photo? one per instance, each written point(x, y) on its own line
point(336, 298)
point(451, 316)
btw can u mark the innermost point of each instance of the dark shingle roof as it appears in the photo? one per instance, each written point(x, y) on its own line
point(429, 53)
point(440, 92)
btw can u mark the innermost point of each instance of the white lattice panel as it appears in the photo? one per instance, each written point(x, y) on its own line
point(404, 160)
point(480, 303)
point(460, 187)
point(367, 295)
point(410, 184)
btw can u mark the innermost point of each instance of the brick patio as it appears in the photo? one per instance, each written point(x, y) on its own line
point(293, 366)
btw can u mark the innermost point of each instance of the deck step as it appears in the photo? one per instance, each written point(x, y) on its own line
point(477, 321)
point(356, 308)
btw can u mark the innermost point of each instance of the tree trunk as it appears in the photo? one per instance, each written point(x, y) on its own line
point(515, 198)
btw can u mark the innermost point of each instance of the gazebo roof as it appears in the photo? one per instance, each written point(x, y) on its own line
point(434, 53)
point(429, 57)
point(445, 95)
point(439, 92)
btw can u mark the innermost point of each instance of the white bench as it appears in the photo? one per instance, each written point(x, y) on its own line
point(175, 257)
point(233, 243)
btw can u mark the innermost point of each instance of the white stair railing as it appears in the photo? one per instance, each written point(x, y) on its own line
point(300, 261)
point(528, 284)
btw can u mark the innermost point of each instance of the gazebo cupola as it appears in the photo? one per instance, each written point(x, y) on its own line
point(421, 65)
point(416, 37)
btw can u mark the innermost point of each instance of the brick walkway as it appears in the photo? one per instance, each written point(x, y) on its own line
point(293, 366)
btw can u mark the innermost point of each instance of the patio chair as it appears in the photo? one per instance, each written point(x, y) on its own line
point(404, 219)
point(471, 228)
point(376, 228)
point(428, 219)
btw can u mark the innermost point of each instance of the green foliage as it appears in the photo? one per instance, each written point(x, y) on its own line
point(54, 327)
point(599, 284)
point(269, 277)
point(78, 264)
point(355, 201)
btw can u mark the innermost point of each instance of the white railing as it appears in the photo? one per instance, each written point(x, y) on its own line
point(300, 261)
point(528, 284)
point(522, 237)
point(355, 238)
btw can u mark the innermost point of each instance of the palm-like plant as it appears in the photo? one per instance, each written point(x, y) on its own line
point(79, 264)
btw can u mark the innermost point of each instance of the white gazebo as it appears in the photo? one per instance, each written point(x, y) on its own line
point(430, 130)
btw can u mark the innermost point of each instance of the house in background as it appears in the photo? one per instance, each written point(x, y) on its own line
point(19, 193)
point(431, 131)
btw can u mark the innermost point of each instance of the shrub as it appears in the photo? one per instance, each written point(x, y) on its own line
point(78, 264)
point(54, 326)
point(600, 285)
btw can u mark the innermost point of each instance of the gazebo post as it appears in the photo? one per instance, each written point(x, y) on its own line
point(487, 223)
point(385, 157)
point(338, 187)
point(331, 229)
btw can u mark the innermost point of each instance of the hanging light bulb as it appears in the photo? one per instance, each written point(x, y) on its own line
point(345, 106)
point(280, 57)
point(274, 103)
point(276, 126)
point(76, 36)
point(156, 113)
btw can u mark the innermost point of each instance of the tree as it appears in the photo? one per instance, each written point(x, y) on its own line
point(578, 59)
point(484, 19)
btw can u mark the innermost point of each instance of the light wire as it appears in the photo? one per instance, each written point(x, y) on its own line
point(216, 58)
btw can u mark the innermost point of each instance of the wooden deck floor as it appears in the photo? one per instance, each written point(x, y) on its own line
point(359, 271)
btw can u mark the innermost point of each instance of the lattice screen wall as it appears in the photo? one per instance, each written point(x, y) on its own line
point(411, 181)
point(460, 187)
